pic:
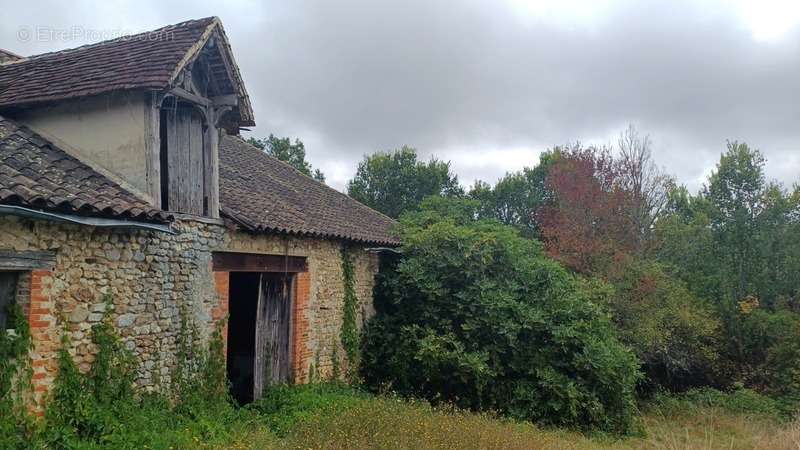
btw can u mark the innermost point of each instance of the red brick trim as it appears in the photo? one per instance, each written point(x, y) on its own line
point(222, 282)
point(44, 336)
point(301, 354)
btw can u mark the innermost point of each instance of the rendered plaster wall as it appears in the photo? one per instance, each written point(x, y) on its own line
point(107, 132)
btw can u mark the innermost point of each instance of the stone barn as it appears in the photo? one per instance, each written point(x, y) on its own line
point(123, 179)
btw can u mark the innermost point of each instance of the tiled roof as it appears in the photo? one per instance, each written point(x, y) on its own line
point(262, 193)
point(258, 192)
point(36, 174)
point(144, 61)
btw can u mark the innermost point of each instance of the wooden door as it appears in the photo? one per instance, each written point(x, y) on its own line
point(273, 318)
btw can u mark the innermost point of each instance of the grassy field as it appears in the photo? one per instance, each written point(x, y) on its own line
point(335, 418)
point(326, 416)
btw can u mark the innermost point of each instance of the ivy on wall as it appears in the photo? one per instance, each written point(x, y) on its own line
point(99, 405)
point(349, 333)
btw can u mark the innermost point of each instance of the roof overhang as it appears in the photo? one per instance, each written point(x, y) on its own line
point(98, 222)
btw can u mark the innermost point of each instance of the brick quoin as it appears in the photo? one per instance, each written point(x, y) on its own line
point(300, 326)
point(222, 282)
point(44, 337)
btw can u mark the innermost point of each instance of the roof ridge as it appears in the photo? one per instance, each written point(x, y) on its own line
point(251, 146)
point(127, 37)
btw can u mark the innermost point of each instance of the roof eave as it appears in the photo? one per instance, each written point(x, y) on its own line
point(256, 229)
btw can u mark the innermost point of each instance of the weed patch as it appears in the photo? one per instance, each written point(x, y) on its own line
point(740, 402)
point(283, 407)
point(101, 408)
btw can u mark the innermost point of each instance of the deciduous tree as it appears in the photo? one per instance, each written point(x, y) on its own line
point(394, 182)
point(646, 185)
point(518, 197)
point(292, 153)
point(588, 226)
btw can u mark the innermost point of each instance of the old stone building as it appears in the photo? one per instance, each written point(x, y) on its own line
point(123, 179)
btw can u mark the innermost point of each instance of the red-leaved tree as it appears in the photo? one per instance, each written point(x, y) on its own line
point(605, 207)
point(588, 228)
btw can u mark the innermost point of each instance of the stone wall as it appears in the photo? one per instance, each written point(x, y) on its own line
point(152, 278)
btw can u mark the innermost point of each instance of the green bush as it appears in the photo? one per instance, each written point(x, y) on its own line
point(771, 341)
point(675, 334)
point(475, 315)
point(89, 406)
point(695, 401)
point(16, 425)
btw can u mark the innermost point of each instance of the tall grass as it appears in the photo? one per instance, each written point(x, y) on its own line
point(334, 418)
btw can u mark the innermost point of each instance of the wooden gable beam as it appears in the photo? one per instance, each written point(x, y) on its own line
point(186, 95)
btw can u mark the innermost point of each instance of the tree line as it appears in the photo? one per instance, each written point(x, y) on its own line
point(701, 288)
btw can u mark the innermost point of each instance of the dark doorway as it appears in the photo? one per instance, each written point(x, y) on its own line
point(8, 293)
point(242, 304)
point(259, 330)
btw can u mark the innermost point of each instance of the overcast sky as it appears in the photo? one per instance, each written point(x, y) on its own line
point(488, 84)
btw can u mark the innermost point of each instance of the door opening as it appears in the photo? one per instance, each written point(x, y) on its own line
point(8, 295)
point(259, 330)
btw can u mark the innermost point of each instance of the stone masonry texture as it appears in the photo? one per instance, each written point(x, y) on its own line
point(152, 278)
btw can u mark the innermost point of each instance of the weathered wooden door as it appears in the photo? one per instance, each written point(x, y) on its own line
point(273, 317)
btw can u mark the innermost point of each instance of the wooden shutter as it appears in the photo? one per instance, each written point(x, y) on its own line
point(185, 159)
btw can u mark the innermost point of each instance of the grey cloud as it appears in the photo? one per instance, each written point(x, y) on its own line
point(441, 75)
point(469, 79)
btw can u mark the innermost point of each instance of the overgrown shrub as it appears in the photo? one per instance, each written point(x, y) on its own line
point(475, 315)
point(674, 333)
point(695, 401)
point(771, 341)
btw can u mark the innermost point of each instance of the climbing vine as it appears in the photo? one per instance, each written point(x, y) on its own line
point(86, 406)
point(349, 333)
point(199, 373)
point(15, 379)
point(98, 405)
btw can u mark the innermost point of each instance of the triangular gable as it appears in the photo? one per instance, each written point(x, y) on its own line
point(150, 61)
point(214, 50)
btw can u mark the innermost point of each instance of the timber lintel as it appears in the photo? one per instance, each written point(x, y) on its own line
point(27, 260)
point(251, 262)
